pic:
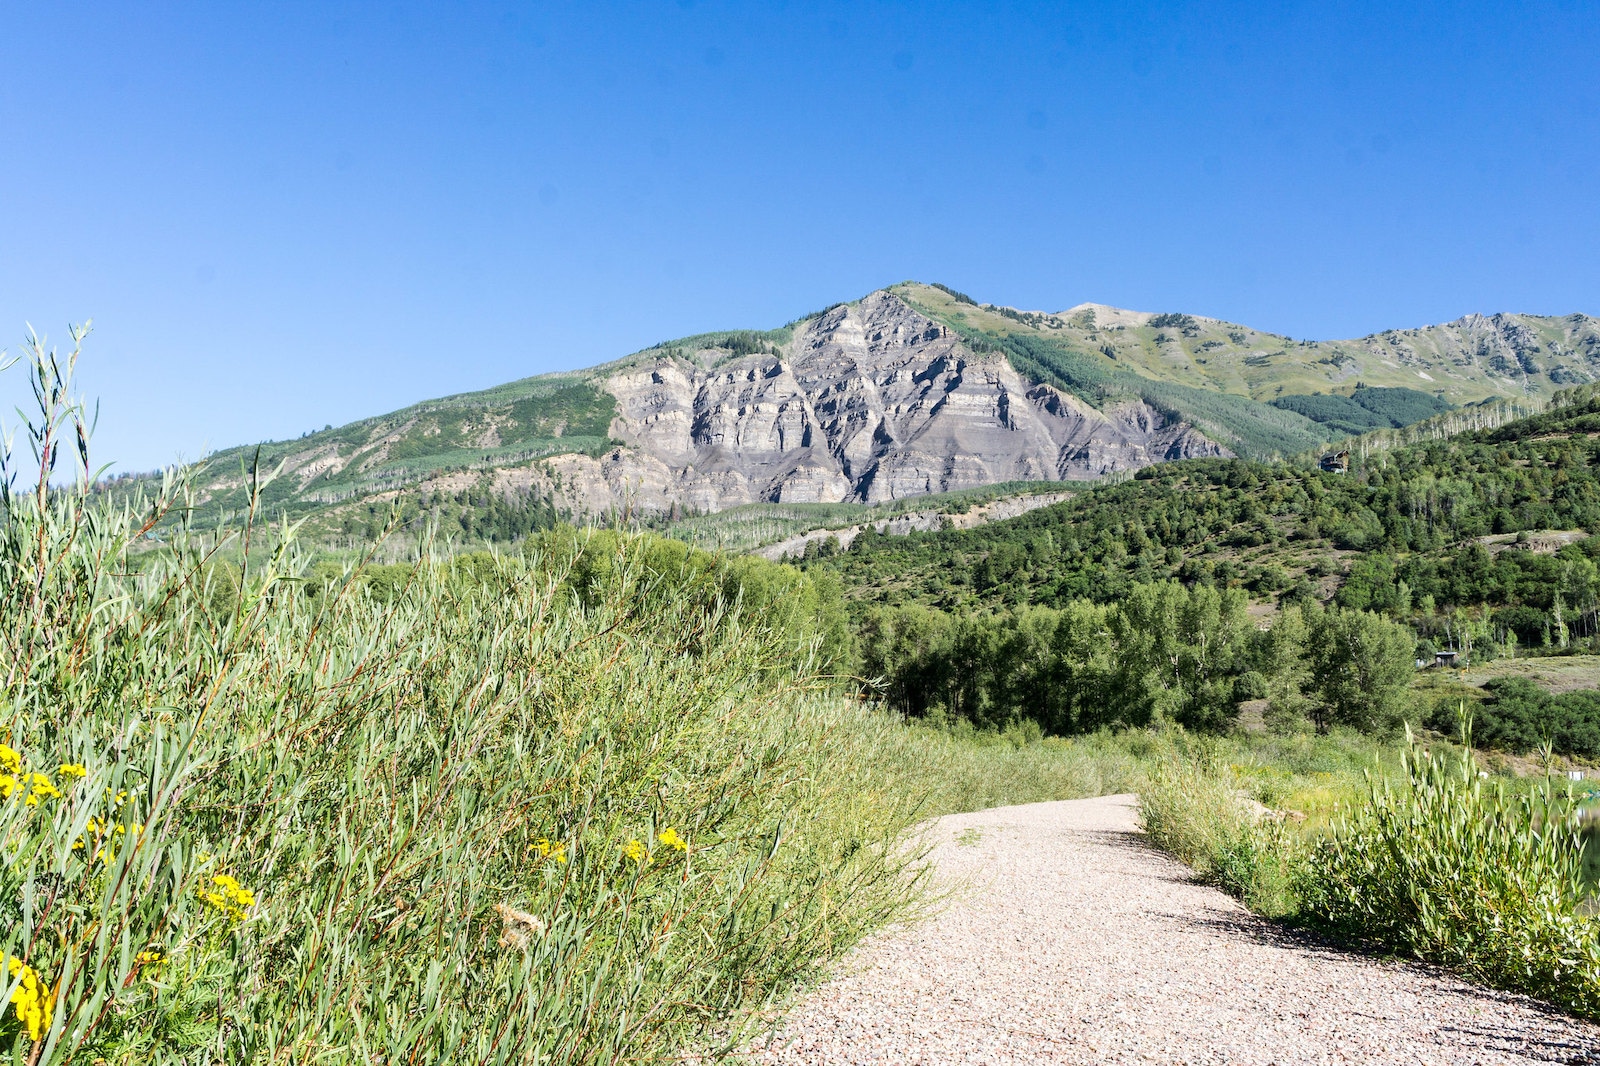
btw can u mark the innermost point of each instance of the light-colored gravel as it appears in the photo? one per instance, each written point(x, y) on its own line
point(1071, 940)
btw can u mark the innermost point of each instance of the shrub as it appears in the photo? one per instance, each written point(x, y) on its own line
point(477, 816)
point(1520, 717)
point(1430, 859)
point(1445, 868)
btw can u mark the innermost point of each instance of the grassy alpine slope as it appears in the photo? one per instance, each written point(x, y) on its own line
point(1468, 360)
point(466, 435)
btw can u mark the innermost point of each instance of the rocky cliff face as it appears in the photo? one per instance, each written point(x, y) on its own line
point(870, 402)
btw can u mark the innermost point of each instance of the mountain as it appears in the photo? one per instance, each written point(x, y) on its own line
point(911, 390)
point(1474, 357)
point(869, 401)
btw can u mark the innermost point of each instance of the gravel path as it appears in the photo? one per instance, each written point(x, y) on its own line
point(1070, 940)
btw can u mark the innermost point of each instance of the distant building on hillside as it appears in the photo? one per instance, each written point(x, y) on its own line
point(1447, 659)
point(1336, 462)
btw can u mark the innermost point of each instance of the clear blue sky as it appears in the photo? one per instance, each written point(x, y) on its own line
point(286, 215)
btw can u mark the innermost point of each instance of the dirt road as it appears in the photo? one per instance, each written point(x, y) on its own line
point(1072, 941)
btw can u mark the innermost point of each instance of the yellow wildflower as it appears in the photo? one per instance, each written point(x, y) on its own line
point(635, 851)
point(97, 830)
point(8, 785)
point(669, 836)
point(150, 958)
point(32, 998)
point(551, 849)
point(229, 897)
point(10, 759)
point(43, 788)
point(74, 769)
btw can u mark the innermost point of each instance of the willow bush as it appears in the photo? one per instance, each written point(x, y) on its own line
point(1424, 856)
point(485, 817)
point(1442, 865)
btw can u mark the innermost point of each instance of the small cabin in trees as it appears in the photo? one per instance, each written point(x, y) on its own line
point(1336, 462)
point(1446, 659)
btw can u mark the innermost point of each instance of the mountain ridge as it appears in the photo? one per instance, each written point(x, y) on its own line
point(911, 389)
point(1469, 358)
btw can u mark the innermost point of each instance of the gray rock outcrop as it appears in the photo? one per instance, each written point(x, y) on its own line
point(872, 401)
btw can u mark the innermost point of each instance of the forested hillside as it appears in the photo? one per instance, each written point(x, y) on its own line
point(1365, 409)
point(1403, 529)
point(1482, 543)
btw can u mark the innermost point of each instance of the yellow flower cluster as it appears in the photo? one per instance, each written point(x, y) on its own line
point(43, 788)
point(229, 897)
point(640, 854)
point(33, 999)
point(99, 830)
point(551, 849)
point(150, 961)
point(34, 786)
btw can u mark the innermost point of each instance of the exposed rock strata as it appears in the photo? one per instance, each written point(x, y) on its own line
point(871, 402)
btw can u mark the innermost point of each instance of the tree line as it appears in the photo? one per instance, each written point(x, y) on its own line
point(1165, 651)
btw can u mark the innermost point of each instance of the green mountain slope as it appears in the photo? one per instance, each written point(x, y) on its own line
point(1470, 359)
point(1245, 426)
point(471, 433)
point(1259, 394)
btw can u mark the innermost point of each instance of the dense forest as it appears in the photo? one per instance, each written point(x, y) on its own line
point(1419, 531)
point(1196, 585)
point(1365, 409)
point(1164, 652)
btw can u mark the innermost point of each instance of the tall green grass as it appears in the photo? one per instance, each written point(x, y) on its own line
point(592, 804)
point(1422, 854)
point(968, 770)
point(1194, 810)
point(484, 819)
